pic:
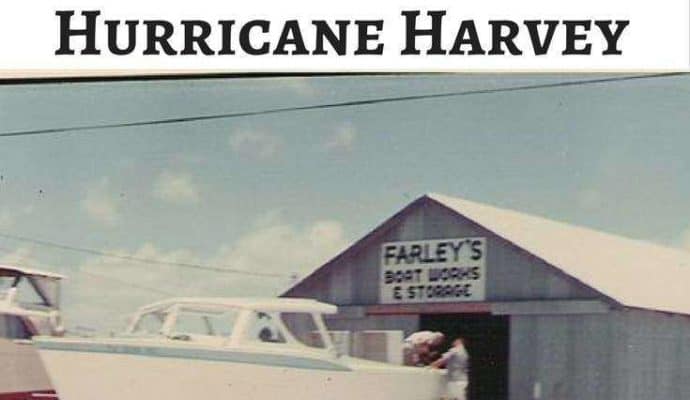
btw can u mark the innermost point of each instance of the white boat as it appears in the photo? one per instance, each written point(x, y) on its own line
point(29, 306)
point(246, 349)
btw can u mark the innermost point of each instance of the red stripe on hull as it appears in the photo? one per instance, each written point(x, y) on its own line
point(39, 394)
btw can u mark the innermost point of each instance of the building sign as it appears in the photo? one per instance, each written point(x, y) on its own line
point(432, 271)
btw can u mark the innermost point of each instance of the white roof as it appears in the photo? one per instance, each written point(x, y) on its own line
point(634, 273)
point(27, 271)
point(250, 303)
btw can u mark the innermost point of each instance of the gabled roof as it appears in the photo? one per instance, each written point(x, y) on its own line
point(632, 272)
point(29, 272)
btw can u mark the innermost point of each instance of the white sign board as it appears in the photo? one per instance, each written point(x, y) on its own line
point(433, 271)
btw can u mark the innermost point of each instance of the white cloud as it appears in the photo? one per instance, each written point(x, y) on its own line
point(589, 199)
point(684, 241)
point(100, 204)
point(176, 188)
point(343, 139)
point(284, 249)
point(105, 289)
point(256, 144)
point(6, 219)
point(269, 218)
point(109, 288)
point(9, 219)
point(17, 256)
point(300, 85)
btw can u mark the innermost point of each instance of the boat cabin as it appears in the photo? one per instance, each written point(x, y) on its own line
point(29, 303)
point(277, 323)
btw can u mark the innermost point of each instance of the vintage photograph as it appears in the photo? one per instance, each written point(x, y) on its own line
point(346, 236)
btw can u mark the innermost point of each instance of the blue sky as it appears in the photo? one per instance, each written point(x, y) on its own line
point(284, 192)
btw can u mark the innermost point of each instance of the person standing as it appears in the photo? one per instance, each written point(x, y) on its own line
point(456, 361)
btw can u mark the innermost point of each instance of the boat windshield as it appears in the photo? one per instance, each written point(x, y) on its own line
point(185, 323)
point(148, 324)
point(303, 327)
point(31, 291)
point(6, 283)
point(218, 323)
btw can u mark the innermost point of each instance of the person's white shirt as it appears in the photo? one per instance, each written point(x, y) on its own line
point(456, 361)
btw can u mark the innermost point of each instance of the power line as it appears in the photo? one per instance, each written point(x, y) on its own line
point(32, 261)
point(129, 284)
point(351, 103)
point(142, 260)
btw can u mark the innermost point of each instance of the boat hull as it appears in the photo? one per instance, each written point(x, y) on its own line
point(22, 375)
point(87, 375)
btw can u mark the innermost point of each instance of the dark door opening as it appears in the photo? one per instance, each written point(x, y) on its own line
point(486, 338)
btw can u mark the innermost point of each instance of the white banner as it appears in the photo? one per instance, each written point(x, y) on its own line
point(82, 37)
point(432, 271)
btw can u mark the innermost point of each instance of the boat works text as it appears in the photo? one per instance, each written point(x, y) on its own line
point(423, 32)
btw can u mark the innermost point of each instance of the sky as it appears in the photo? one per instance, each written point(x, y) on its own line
point(283, 193)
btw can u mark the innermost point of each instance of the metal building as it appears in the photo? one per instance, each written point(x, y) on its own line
point(548, 310)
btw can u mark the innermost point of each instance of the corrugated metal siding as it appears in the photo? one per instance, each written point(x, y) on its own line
point(657, 355)
point(567, 356)
point(622, 355)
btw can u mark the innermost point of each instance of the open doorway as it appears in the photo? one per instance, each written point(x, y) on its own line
point(487, 340)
